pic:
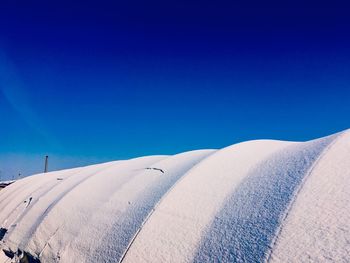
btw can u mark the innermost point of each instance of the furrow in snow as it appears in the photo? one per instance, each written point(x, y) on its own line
point(296, 193)
point(87, 200)
point(143, 193)
point(38, 186)
point(176, 227)
point(15, 215)
point(246, 225)
point(25, 228)
point(317, 227)
point(185, 172)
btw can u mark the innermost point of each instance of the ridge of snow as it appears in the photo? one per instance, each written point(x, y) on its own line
point(321, 212)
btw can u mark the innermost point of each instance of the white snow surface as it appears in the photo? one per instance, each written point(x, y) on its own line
point(256, 201)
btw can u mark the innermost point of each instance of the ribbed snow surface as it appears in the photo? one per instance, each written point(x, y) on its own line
point(255, 201)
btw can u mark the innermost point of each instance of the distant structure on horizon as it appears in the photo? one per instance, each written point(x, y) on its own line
point(46, 164)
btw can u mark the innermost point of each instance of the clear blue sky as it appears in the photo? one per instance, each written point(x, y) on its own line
point(93, 81)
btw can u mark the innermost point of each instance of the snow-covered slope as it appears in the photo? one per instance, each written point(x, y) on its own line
point(255, 201)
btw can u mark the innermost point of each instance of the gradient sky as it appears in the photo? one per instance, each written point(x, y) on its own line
point(91, 81)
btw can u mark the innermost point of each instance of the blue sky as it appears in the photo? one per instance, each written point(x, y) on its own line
point(92, 81)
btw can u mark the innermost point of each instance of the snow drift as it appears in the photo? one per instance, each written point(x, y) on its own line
point(255, 201)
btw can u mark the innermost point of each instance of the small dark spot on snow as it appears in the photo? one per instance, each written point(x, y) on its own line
point(9, 253)
point(24, 257)
point(28, 258)
point(3, 232)
point(59, 179)
point(29, 201)
point(156, 169)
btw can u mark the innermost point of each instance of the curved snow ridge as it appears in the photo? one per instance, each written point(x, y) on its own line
point(130, 205)
point(178, 222)
point(245, 227)
point(317, 227)
point(250, 202)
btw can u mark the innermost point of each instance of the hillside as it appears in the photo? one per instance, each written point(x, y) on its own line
point(255, 201)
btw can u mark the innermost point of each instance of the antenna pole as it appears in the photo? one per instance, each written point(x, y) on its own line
point(46, 163)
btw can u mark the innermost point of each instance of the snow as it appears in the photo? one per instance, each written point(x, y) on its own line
point(7, 182)
point(178, 223)
point(244, 228)
point(318, 227)
point(3, 184)
point(255, 201)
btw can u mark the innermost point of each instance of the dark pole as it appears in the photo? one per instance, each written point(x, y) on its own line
point(46, 163)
